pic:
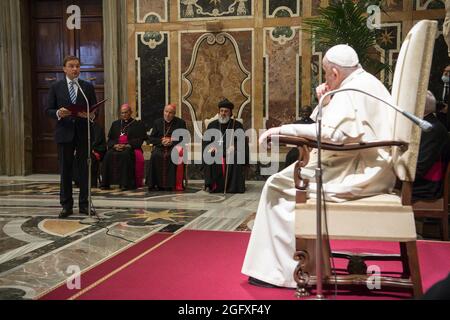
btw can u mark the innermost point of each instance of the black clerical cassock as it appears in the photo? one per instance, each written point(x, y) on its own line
point(231, 174)
point(163, 173)
point(119, 166)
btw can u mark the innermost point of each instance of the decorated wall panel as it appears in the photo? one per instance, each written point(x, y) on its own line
point(282, 8)
point(215, 66)
point(429, 4)
point(151, 11)
point(440, 61)
point(152, 79)
point(282, 73)
point(195, 52)
point(394, 5)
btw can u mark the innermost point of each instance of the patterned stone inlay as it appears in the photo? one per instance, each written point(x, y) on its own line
point(151, 11)
point(216, 71)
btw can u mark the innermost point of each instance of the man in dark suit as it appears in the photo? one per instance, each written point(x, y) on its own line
point(71, 132)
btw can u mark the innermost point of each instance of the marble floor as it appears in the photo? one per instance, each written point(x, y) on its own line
point(39, 252)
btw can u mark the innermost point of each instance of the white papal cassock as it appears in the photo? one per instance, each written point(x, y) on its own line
point(349, 117)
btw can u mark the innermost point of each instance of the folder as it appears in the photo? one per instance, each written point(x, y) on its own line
point(75, 108)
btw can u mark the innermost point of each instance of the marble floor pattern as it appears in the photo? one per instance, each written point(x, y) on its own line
point(38, 251)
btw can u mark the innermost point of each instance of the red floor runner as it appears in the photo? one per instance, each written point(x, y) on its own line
point(89, 277)
point(207, 265)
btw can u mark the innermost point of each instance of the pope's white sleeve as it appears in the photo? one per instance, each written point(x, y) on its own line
point(329, 135)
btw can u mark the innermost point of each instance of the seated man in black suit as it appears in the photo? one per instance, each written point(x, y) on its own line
point(71, 132)
point(433, 156)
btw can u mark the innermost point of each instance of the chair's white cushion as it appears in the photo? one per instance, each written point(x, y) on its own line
point(381, 218)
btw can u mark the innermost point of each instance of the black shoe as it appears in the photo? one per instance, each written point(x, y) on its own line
point(105, 187)
point(259, 283)
point(86, 211)
point(65, 212)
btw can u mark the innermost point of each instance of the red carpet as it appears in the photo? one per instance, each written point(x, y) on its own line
point(207, 265)
point(92, 275)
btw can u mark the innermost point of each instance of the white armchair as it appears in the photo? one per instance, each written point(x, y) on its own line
point(386, 217)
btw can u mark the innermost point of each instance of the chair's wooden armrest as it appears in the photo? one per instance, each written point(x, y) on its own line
point(300, 141)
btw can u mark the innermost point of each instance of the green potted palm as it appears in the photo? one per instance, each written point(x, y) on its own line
point(345, 21)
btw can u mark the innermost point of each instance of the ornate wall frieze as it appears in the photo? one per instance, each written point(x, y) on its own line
point(206, 9)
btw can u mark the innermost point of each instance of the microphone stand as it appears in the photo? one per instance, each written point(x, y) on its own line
point(424, 125)
point(88, 220)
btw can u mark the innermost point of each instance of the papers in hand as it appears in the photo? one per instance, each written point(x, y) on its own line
point(76, 108)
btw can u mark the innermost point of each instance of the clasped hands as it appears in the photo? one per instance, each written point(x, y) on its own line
point(166, 141)
point(121, 147)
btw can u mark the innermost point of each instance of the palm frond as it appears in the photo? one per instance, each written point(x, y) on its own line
point(345, 21)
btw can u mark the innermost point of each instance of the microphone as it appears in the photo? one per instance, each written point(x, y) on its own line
point(424, 125)
point(446, 80)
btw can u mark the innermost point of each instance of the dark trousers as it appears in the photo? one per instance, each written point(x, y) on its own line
point(66, 160)
point(95, 165)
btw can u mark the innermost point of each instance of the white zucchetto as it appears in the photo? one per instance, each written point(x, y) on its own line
point(342, 55)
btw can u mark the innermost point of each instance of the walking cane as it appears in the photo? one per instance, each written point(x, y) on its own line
point(226, 168)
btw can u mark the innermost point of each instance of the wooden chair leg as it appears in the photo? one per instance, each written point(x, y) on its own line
point(405, 260)
point(444, 223)
point(413, 258)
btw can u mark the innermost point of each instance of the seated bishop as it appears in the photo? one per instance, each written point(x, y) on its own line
point(166, 170)
point(123, 163)
point(225, 152)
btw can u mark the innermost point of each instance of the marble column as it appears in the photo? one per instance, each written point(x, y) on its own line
point(15, 90)
point(115, 57)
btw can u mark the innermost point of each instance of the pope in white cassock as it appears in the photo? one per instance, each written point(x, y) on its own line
point(347, 117)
